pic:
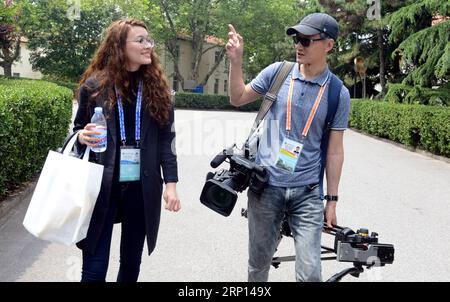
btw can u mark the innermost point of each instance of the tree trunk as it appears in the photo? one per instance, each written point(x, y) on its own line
point(198, 39)
point(214, 67)
point(198, 28)
point(9, 55)
point(382, 59)
point(7, 69)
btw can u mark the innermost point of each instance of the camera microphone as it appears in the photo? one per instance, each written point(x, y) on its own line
point(218, 159)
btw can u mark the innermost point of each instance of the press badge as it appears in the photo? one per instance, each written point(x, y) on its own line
point(288, 155)
point(130, 164)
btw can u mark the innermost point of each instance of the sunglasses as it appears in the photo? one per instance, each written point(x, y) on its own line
point(305, 41)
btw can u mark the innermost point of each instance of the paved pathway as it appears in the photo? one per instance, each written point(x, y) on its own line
point(404, 196)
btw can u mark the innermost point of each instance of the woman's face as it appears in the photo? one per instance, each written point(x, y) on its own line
point(138, 48)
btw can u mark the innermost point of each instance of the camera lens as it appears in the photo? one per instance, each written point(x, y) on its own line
point(219, 196)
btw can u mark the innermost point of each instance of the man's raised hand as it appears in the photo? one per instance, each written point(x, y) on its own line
point(235, 45)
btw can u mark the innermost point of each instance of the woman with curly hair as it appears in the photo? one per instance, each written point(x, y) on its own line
point(126, 80)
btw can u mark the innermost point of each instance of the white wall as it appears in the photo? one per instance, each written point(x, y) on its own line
point(185, 61)
point(23, 66)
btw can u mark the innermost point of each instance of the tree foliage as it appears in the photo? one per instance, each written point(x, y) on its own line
point(190, 20)
point(63, 44)
point(363, 37)
point(10, 34)
point(263, 26)
point(424, 49)
point(261, 23)
point(62, 47)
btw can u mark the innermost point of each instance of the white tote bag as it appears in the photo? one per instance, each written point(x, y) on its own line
point(64, 199)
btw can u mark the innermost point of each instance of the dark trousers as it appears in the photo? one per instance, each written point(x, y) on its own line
point(128, 202)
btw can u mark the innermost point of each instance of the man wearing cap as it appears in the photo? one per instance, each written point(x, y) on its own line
point(297, 118)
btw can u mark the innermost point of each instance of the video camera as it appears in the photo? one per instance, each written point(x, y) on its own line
point(359, 248)
point(220, 190)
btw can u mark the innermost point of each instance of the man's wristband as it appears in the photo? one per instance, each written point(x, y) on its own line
point(331, 197)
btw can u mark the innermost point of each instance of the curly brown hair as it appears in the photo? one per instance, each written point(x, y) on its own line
point(107, 68)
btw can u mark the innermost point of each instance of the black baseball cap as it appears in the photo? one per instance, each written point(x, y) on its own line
point(314, 24)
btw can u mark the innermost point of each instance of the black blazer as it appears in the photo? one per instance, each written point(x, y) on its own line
point(156, 153)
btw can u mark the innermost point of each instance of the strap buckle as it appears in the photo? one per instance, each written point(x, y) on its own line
point(271, 97)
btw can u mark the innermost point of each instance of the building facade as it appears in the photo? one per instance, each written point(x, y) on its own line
point(22, 67)
point(217, 83)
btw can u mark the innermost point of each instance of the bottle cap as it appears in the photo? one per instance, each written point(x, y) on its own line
point(98, 110)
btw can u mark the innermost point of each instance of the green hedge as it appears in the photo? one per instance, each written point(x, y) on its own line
point(211, 102)
point(399, 93)
point(425, 127)
point(34, 118)
point(72, 86)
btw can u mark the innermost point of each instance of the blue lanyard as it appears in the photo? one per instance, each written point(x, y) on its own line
point(138, 116)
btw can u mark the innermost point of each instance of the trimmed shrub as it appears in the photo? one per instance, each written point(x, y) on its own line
point(210, 102)
point(72, 86)
point(34, 118)
point(418, 126)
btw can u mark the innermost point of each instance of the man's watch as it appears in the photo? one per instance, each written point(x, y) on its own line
point(331, 197)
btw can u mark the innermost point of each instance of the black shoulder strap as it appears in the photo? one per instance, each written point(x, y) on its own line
point(334, 92)
point(271, 96)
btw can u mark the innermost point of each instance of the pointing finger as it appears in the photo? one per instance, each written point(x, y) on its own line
point(231, 28)
point(240, 38)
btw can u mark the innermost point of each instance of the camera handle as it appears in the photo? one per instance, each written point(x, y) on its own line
point(247, 149)
point(355, 271)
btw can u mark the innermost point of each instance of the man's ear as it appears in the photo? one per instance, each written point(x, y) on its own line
point(330, 45)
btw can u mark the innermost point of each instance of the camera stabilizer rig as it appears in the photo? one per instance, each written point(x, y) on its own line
point(360, 248)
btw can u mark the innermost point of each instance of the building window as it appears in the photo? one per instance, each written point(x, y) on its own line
point(227, 65)
point(175, 83)
point(225, 86)
point(216, 86)
point(16, 74)
point(217, 57)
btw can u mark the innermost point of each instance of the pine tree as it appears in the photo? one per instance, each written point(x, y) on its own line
point(365, 38)
point(424, 49)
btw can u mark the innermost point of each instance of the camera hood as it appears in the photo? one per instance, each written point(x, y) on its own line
point(219, 197)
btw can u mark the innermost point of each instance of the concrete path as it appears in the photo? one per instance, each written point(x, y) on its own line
point(403, 196)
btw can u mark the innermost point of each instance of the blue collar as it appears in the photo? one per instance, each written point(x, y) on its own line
point(319, 80)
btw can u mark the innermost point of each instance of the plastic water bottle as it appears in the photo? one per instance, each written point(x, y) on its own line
point(100, 121)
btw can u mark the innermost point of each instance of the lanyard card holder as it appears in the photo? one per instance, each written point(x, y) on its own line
point(130, 156)
point(130, 163)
